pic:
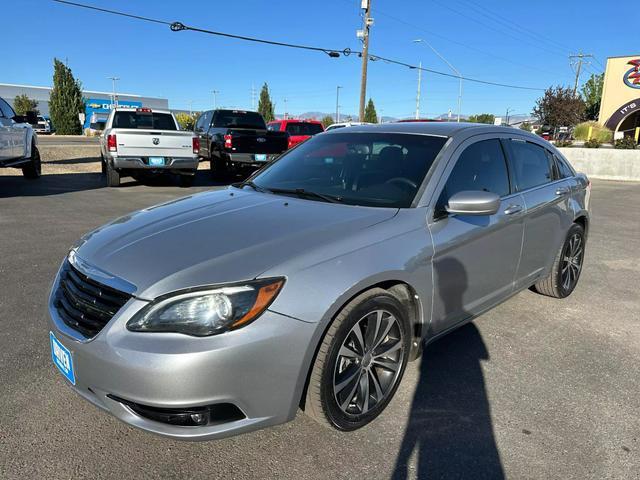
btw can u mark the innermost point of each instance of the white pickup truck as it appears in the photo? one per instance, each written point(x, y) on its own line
point(18, 143)
point(136, 141)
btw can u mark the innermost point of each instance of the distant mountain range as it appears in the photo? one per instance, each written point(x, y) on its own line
point(344, 117)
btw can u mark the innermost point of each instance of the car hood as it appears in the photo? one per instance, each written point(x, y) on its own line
point(217, 237)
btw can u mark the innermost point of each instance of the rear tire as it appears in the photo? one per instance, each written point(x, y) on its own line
point(34, 169)
point(360, 362)
point(566, 268)
point(113, 176)
point(186, 181)
point(218, 168)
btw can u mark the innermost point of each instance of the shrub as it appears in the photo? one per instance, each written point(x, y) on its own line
point(564, 143)
point(602, 134)
point(627, 143)
point(185, 121)
point(593, 143)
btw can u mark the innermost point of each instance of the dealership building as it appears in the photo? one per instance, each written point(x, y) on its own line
point(98, 104)
point(620, 105)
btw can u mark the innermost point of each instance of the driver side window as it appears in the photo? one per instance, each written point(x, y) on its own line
point(481, 166)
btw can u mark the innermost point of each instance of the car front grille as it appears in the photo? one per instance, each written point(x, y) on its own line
point(84, 304)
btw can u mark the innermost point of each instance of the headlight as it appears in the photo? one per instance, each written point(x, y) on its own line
point(207, 311)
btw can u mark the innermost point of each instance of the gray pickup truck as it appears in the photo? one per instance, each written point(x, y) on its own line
point(237, 140)
point(18, 142)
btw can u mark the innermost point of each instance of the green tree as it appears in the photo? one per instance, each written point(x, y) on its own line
point(186, 121)
point(592, 95)
point(559, 107)
point(482, 118)
point(327, 120)
point(370, 114)
point(65, 101)
point(265, 106)
point(23, 104)
point(526, 126)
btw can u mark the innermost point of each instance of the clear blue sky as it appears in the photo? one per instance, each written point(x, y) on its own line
point(527, 43)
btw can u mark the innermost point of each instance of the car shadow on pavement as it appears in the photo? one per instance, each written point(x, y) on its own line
point(449, 427)
point(49, 184)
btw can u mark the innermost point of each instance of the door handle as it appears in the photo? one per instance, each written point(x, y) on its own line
point(562, 191)
point(511, 209)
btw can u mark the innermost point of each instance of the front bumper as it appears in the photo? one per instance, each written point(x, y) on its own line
point(260, 369)
point(142, 163)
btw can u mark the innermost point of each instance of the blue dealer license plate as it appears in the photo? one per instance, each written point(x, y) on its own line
point(156, 161)
point(62, 359)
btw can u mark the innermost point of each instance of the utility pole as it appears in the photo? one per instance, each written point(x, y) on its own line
point(509, 110)
point(337, 104)
point(114, 99)
point(215, 98)
point(576, 62)
point(190, 108)
point(368, 22)
point(418, 94)
point(286, 115)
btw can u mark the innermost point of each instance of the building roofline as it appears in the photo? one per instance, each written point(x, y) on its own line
point(625, 56)
point(83, 91)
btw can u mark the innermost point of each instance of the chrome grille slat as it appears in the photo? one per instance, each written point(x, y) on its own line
point(85, 304)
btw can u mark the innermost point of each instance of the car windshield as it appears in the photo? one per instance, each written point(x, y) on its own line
point(148, 120)
point(367, 169)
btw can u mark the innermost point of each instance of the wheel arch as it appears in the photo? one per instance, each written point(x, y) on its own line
point(583, 220)
point(400, 289)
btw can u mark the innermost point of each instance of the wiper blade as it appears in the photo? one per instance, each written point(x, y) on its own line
point(307, 193)
point(249, 183)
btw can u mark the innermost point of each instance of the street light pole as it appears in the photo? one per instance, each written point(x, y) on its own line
point(215, 98)
point(420, 40)
point(114, 100)
point(418, 93)
point(337, 103)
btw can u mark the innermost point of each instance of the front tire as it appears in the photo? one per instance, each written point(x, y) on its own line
point(567, 266)
point(360, 362)
point(34, 169)
point(218, 168)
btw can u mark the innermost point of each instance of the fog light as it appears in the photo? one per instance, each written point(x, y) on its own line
point(199, 418)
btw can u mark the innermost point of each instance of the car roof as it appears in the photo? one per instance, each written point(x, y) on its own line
point(295, 120)
point(153, 110)
point(446, 129)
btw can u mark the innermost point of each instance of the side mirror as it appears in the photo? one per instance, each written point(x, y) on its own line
point(474, 202)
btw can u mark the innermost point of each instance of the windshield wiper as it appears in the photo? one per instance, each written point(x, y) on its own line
point(301, 192)
point(249, 183)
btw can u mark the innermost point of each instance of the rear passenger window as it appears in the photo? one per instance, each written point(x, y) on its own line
point(273, 127)
point(530, 164)
point(563, 169)
point(481, 166)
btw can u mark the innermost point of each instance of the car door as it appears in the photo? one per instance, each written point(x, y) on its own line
point(9, 134)
point(548, 208)
point(200, 129)
point(475, 257)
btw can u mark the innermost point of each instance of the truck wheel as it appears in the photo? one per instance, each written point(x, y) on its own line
point(34, 169)
point(113, 176)
point(186, 181)
point(103, 166)
point(218, 168)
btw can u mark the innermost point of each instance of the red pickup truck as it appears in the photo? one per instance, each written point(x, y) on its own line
point(298, 130)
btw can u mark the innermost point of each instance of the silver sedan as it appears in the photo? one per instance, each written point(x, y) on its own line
point(312, 284)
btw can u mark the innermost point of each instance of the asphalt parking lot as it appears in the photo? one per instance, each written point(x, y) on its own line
point(537, 388)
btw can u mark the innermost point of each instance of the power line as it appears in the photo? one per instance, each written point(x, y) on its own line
point(177, 26)
point(516, 27)
point(469, 47)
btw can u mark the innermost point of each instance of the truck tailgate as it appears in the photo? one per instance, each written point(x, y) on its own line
point(258, 141)
point(147, 143)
